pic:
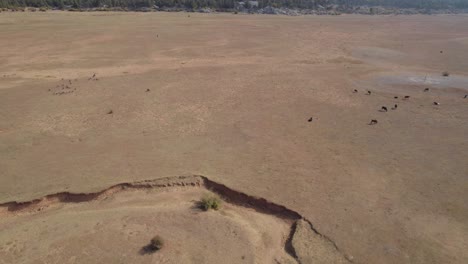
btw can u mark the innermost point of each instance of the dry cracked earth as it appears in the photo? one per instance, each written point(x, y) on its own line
point(94, 104)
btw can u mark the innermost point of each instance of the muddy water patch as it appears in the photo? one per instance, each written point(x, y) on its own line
point(429, 80)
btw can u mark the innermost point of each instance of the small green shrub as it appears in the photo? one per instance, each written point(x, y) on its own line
point(210, 202)
point(156, 243)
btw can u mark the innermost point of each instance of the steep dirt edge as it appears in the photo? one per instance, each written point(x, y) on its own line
point(230, 195)
point(264, 206)
point(68, 197)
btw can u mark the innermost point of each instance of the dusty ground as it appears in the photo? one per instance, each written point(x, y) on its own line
point(117, 229)
point(230, 97)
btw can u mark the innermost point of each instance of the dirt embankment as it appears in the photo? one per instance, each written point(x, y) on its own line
point(305, 243)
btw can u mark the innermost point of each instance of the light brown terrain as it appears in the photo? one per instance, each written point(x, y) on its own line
point(112, 225)
point(229, 98)
point(116, 229)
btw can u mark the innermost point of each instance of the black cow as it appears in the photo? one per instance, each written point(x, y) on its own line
point(373, 122)
point(384, 109)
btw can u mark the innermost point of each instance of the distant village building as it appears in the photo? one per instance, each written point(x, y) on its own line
point(245, 4)
point(253, 4)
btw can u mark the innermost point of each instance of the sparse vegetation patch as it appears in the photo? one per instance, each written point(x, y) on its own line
point(210, 202)
point(156, 243)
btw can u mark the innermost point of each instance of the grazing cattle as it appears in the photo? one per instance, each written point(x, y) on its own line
point(310, 119)
point(395, 97)
point(373, 122)
point(94, 75)
point(426, 89)
point(395, 107)
point(147, 90)
point(368, 92)
point(110, 112)
point(407, 97)
point(384, 109)
point(355, 91)
point(466, 96)
point(436, 103)
point(70, 81)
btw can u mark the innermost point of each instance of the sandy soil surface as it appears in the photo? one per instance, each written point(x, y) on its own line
point(117, 229)
point(229, 97)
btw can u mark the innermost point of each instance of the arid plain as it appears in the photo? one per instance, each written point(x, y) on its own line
point(229, 97)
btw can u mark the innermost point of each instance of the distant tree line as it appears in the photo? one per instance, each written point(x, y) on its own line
point(421, 4)
point(230, 4)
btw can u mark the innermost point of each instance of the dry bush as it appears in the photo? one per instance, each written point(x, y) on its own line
point(156, 243)
point(210, 202)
